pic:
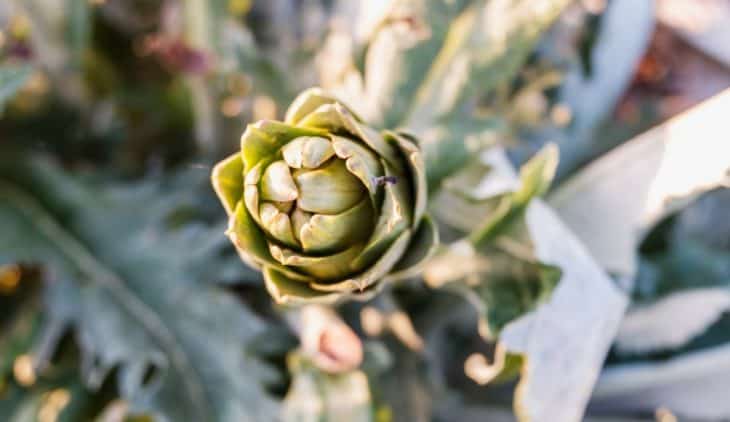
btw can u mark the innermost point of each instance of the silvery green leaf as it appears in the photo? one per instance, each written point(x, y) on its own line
point(563, 354)
point(681, 290)
point(694, 384)
point(135, 299)
point(672, 321)
point(650, 176)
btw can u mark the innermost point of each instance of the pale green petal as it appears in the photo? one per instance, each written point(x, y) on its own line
point(422, 246)
point(277, 224)
point(264, 139)
point(277, 183)
point(321, 233)
point(308, 152)
point(298, 219)
point(324, 268)
point(251, 194)
point(305, 103)
point(328, 117)
point(284, 207)
point(335, 118)
point(227, 179)
point(247, 236)
point(395, 216)
point(375, 272)
point(360, 161)
point(414, 160)
point(376, 141)
point(288, 291)
point(330, 189)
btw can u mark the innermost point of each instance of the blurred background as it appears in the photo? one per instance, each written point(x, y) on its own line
point(120, 298)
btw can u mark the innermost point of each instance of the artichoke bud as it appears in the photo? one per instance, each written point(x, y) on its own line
point(324, 205)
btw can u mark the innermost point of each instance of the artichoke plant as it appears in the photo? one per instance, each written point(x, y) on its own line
point(326, 206)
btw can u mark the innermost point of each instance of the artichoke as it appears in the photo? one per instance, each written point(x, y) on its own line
point(325, 206)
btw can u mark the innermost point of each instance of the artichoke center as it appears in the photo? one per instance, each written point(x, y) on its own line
point(312, 201)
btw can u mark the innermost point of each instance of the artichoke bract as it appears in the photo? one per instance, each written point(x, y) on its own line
point(327, 207)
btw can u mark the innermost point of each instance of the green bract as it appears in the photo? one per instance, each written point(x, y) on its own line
point(324, 205)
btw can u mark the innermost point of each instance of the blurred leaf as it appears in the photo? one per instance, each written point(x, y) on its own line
point(686, 265)
point(682, 285)
point(624, 33)
point(671, 322)
point(30, 395)
point(408, 40)
point(633, 187)
point(267, 77)
point(449, 146)
point(60, 395)
point(204, 23)
point(130, 284)
point(12, 78)
point(78, 28)
point(485, 46)
point(19, 327)
point(563, 353)
point(441, 54)
point(699, 374)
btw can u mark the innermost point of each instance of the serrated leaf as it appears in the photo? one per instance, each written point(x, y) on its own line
point(134, 296)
